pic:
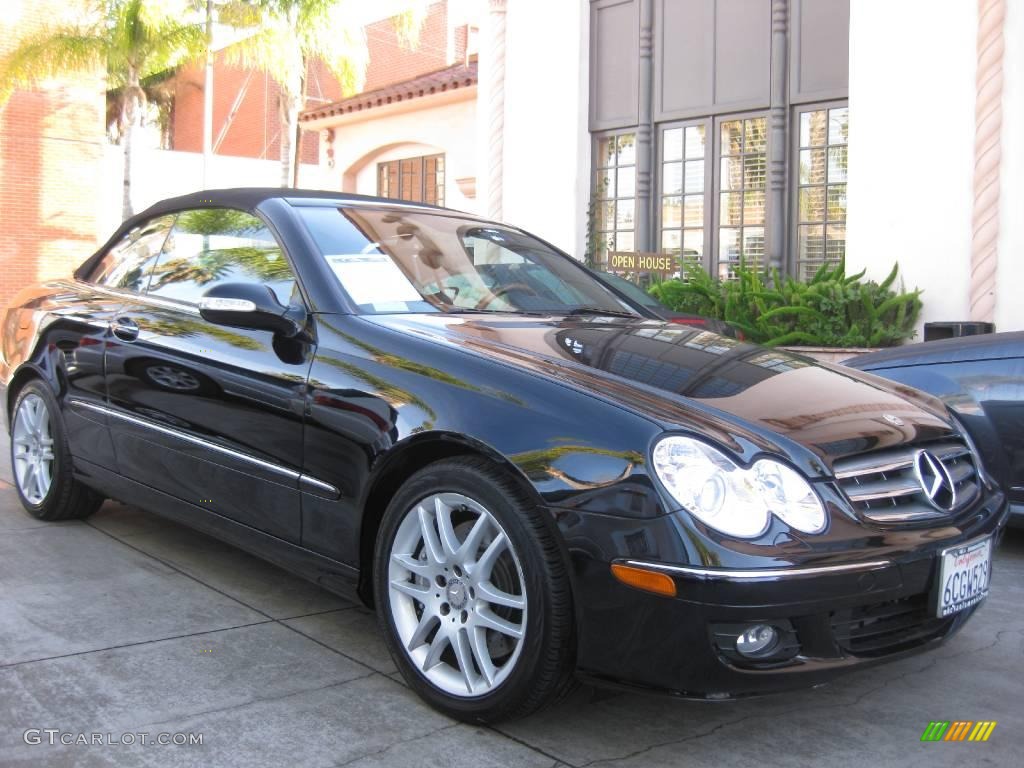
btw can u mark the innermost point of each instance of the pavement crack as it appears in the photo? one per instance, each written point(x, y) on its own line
point(528, 745)
point(178, 569)
point(249, 702)
point(139, 642)
point(392, 745)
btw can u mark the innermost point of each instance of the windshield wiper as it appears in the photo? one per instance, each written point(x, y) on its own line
point(474, 311)
point(597, 311)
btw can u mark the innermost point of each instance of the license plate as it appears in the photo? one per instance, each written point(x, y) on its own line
point(963, 577)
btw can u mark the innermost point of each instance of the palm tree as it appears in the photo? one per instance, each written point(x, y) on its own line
point(130, 39)
point(286, 36)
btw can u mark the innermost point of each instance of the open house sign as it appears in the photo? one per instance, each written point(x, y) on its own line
point(641, 262)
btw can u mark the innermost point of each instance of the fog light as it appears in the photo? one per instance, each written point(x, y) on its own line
point(757, 640)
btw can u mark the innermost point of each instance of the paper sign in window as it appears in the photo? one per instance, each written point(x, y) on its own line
point(373, 278)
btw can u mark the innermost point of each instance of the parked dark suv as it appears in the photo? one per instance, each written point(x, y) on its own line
point(452, 421)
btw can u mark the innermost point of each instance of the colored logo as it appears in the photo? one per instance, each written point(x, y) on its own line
point(958, 730)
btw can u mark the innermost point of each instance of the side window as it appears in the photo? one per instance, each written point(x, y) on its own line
point(128, 264)
point(209, 246)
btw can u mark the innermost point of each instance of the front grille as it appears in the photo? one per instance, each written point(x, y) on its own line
point(882, 628)
point(884, 485)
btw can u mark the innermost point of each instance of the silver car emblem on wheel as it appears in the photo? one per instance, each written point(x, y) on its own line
point(32, 449)
point(457, 595)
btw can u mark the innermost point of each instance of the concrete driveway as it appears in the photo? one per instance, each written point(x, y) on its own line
point(127, 624)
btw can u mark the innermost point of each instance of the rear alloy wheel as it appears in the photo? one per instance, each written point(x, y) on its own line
point(41, 459)
point(472, 594)
point(32, 449)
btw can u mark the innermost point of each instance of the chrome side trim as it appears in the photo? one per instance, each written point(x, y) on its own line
point(318, 485)
point(284, 471)
point(759, 573)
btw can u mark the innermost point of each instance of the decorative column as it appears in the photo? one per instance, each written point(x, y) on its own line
point(496, 108)
point(988, 120)
point(644, 224)
point(778, 141)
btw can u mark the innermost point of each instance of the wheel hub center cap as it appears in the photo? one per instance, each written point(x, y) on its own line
point(458, 593)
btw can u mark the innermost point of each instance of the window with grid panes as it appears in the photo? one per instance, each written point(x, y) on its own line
point(615, 195)
point(743, 153)
point(416, 179)
point(821, 188)
point(683, 200)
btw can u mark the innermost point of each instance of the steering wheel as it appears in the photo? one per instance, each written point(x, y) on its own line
point(486, 300)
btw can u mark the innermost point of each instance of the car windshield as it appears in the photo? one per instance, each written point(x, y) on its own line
point(399, 261)
point(630, 289)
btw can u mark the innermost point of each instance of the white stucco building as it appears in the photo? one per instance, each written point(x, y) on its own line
point(937, 152)
point(790, 132)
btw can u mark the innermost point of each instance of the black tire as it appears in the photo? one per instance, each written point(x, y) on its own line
point(544, 670)
point(66, 499)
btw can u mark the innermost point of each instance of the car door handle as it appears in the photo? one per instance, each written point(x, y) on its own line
point(124, 329)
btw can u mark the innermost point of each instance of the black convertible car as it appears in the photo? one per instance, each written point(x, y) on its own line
point(458, 424)
point(981, 379)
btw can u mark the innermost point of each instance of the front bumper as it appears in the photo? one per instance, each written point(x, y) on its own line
point(850, 611)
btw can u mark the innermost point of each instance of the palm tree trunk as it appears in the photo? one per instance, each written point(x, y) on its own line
point(289, 119)
point(126, 142)
point(132, 116)
point(296, 128)
point(126, 145)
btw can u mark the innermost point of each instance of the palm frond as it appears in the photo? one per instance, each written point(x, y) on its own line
point(272, 50)
point(157, 14)
point(288, 33)
point(344, 52)
point(171, 45)
point(50, 53)
point(239, 14)
point(409, 24)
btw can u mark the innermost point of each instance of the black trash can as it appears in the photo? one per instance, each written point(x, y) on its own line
point(952, 330)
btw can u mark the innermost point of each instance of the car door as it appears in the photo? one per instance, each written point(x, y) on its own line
point(81, 332)
point(210, 414)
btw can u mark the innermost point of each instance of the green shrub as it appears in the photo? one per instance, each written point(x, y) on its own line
point(829, 310)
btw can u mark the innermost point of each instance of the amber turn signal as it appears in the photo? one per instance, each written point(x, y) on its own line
point(648, 581)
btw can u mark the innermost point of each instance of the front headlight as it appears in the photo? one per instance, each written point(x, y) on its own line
point(731, 499)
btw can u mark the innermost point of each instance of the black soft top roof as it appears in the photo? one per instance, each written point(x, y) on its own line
point(242, 198)
point(248, 198)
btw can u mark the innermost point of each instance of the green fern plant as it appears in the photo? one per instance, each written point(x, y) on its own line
point(832, 309)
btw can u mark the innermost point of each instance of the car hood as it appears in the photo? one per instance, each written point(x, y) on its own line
point(990, 346)
point(749, 397)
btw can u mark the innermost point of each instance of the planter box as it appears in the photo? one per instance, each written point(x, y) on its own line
point(831, 354)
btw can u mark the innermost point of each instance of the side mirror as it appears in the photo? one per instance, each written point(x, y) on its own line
point(251, 305)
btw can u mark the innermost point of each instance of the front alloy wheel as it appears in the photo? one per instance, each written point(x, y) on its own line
point(456, 594)
point(472, 594)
